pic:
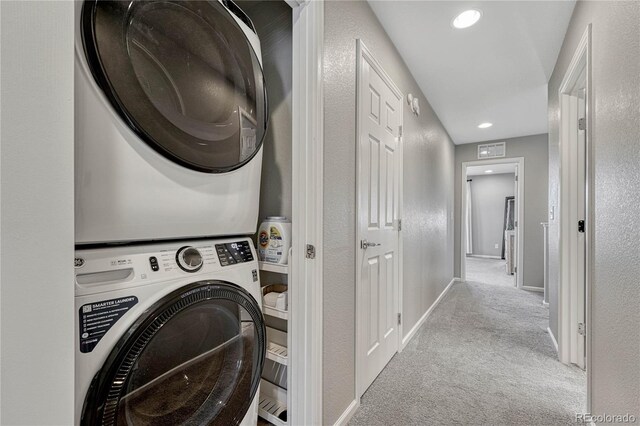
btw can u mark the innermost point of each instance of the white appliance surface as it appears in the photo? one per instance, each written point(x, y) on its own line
point(125, 272)
point(125, 191)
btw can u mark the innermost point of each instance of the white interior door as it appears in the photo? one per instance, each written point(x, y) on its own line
point(575, 206)
point(576, 225)
point(379, 162)
point(581, 193)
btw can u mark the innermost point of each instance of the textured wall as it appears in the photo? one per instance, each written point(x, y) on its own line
point(534, 150)
point(428, 194)
point(488, 195)
point(615, 136)
point(37, 313)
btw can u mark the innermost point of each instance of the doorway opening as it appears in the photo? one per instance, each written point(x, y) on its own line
point(492, 217)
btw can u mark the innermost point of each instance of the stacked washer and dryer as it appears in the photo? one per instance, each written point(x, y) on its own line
point(171, 111)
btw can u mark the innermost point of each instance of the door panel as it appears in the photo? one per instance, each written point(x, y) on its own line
point(374, 298)
point(375, 105)
point(389, 318)
point(379, 117)
point(390, 195)
point(373, 182)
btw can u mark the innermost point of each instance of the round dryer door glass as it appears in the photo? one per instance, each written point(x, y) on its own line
point(195, 358)
point(184, 77)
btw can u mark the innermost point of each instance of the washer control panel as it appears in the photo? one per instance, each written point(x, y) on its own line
point(234, 252)
point(111, 267)
point(189, 259)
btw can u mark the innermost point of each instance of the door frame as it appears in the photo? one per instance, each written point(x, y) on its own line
point(305, 326)
point(519, 161)
point(363, 53)
point(580, 63)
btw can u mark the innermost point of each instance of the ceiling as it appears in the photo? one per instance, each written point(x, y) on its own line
point(495, 71)
point(496, 169)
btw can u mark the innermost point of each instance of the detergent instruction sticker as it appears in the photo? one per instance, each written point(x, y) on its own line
point(274, 252)
point(97, 318)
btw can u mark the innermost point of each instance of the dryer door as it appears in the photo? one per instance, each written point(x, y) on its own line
point(182, 75)
point(195, 358)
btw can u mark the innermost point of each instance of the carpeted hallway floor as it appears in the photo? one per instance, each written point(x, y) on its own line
point(492, 271)
point(483, 357)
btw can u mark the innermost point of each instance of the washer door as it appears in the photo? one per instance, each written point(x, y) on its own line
point(182, 75)
point(195, 358)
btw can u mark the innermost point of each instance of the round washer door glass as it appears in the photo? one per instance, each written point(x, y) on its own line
point(182, 75)
point(195, 358)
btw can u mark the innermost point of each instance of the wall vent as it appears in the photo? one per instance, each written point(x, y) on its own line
point(491, 150)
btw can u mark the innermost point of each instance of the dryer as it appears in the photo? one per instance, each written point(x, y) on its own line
point(168, 334)
point(171, 111)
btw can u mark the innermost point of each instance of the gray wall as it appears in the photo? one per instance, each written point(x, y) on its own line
point(428, 194)
point(487, 211)
point(535, 153)
point(36, 278)
point(615, 135)
point(273, 23)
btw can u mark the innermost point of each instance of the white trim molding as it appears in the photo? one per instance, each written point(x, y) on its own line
point(348, 413)
point(532, 288)
point(553, 339)
point(406, 339)
point(484, 256)
point(305, 320)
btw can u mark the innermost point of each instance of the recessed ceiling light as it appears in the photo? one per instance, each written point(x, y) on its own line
point(488, 171)
point(485, 125)
point(466, 18)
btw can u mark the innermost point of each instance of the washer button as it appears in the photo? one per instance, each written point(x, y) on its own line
point(153, 261)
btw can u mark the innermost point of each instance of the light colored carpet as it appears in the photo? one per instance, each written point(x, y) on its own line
point(483, 357)
point(489, 271)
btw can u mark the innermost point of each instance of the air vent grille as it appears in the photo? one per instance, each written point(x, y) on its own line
point(491, 150)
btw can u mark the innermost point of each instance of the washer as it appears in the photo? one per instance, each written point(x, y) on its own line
point(171, 111)
point(169, 334)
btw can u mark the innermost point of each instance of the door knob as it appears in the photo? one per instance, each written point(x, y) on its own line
point(364, 244)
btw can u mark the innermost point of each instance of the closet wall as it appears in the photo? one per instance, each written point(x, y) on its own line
point(273, 22)
point(36, 220)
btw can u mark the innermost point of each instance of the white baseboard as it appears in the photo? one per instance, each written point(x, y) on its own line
point(348, 413)
point(553, 339)
point(484, 256)
point(407, 338)
point(531, 288)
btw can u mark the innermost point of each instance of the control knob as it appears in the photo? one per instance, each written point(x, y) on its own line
point(189, 259)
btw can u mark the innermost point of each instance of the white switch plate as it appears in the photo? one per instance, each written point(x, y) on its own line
point(495, 246)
